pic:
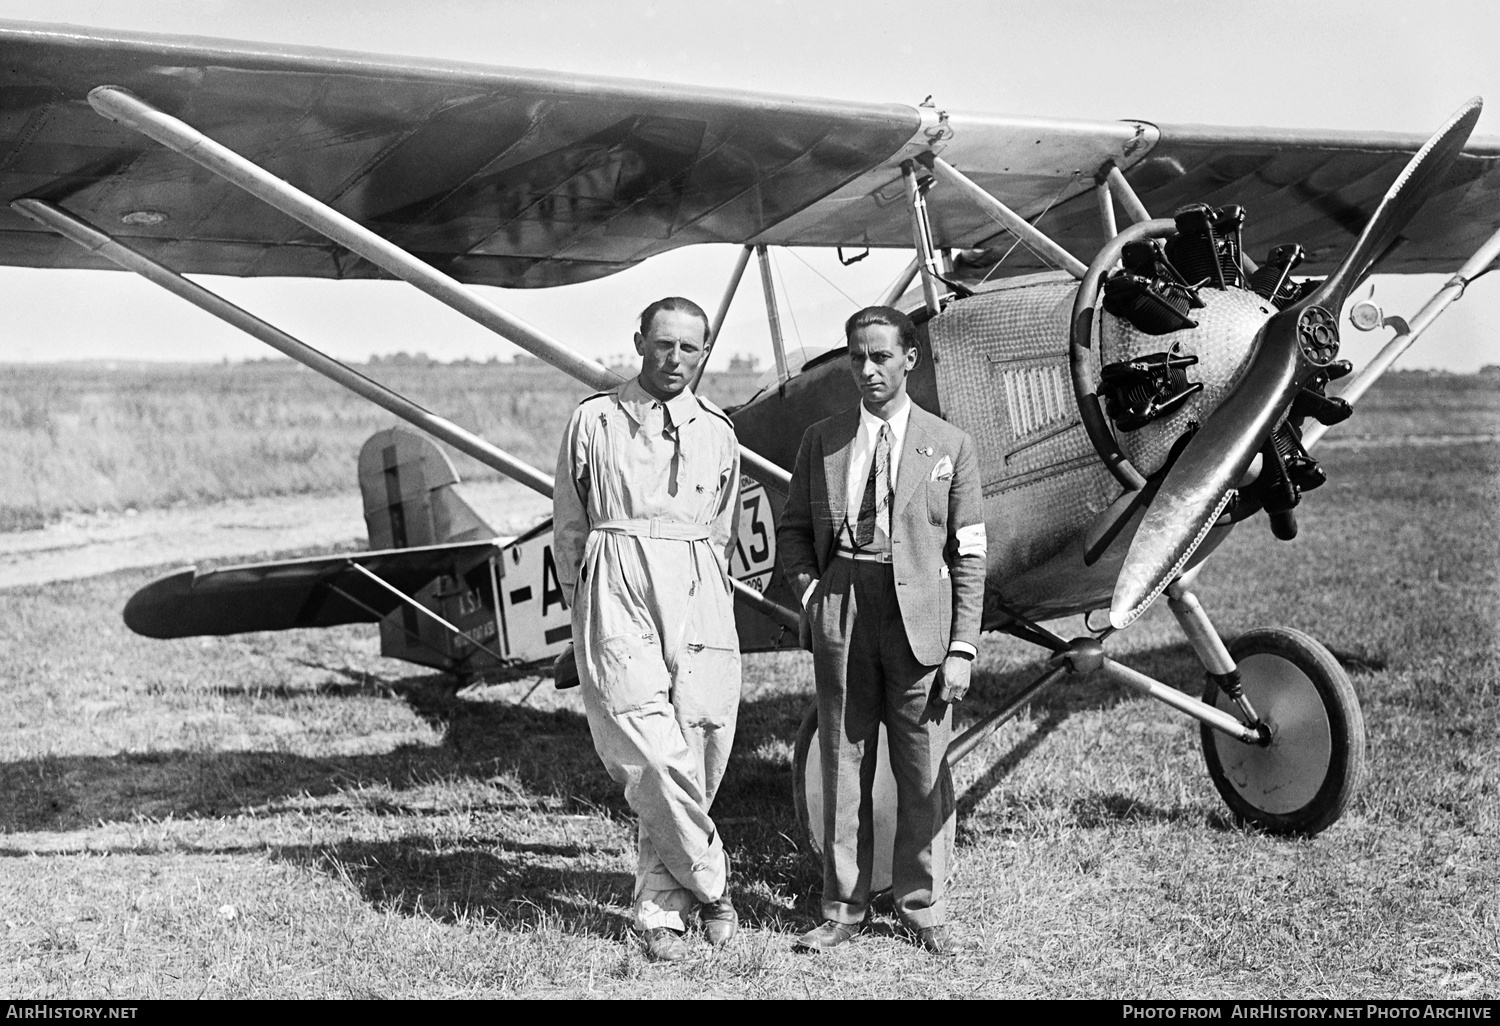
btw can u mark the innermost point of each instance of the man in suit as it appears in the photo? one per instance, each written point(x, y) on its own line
point(883, 538)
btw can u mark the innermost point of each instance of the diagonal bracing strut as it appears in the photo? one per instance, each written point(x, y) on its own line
point(82, 233)
point(121, 106)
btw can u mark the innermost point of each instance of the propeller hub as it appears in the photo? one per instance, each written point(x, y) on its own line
point(1318, 336)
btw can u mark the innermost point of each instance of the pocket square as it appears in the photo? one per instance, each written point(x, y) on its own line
point(942, 470)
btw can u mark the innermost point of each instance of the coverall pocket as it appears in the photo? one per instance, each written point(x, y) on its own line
point(708, 685)
point(631, 673)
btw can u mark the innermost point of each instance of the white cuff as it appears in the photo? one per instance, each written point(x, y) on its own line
point(808, 593)
point(962, 648)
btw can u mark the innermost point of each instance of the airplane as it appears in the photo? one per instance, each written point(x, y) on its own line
point(1135, 392)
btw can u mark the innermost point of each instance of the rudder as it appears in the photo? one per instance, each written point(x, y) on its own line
point(409, 497)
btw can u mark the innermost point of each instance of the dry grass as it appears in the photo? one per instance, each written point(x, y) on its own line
point(84, 437)
point(377, 837)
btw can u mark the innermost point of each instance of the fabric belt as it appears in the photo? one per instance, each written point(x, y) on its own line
point(672, 530)
point(863, 557)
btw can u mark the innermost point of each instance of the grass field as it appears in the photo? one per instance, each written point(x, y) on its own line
point(87, 437)
point(292, 816)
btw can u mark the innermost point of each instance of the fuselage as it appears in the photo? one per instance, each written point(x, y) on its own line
point(996, 365)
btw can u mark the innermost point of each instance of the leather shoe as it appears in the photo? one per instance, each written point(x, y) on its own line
point(720, 921)
point(663, 944)
point(943, 942)
point(827, 934)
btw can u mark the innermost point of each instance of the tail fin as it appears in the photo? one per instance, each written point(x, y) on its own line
point(407, 483)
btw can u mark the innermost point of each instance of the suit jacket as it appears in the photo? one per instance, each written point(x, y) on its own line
point(940, 592)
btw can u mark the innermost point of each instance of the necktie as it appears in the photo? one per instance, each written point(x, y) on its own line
point(875, 507)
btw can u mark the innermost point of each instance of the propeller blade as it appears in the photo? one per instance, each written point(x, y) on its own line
point(1295, 341)
point(1399, 205)
point(1200, 483)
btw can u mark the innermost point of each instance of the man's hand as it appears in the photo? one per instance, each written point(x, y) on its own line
point(955, 680)
point(801, 587)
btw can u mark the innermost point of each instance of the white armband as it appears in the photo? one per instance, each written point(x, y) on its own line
point(971, 541)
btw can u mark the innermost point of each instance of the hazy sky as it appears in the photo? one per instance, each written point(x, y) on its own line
point(1376, 64)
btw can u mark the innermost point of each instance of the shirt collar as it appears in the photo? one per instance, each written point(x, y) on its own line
point(635, 400)
point(870, 423)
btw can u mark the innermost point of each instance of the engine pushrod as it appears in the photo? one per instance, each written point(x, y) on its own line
point(124, 107)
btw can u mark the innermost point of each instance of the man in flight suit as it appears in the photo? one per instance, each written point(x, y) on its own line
point(883, 538)
point(644, 512)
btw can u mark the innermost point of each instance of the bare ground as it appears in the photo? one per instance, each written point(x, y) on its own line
point(86, 544)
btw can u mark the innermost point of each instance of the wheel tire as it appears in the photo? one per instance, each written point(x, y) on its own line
point(807, 799)
point(1301, 782)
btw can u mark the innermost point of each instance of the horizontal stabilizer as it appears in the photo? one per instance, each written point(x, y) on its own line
point(319, 591)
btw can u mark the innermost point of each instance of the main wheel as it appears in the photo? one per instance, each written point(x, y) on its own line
point(807, 798)
point(1304, 779)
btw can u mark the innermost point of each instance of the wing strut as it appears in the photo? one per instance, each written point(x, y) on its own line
point(413, 603)
point(91, 238)
point(1013, 222)
point(921, 233)
point(77, 230)
point(1126, 195)
point(723, 311)
point(1451, 292)
point(121, 106)
point(903, 282)
point(773, 317)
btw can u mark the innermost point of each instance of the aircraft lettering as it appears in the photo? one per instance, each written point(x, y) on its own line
point(470, 602)
point(755, 544)
point(758, 528)
point(484, 632)
point(552, 593)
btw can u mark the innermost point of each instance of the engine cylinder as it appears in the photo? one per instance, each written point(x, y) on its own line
point(1222, 340)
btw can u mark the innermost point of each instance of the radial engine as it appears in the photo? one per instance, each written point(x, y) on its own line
point(1176, 329)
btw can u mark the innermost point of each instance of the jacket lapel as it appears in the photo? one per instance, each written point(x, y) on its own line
point(838, 450)
point(916, 464)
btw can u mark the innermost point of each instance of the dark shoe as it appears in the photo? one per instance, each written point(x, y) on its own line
point(943, 942)
point(720, 921)
point(664, 944)
point(827, 934)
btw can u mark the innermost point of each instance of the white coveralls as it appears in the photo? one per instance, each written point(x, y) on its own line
point(644, 518)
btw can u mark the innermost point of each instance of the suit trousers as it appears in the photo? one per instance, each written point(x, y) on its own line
point(866, 674)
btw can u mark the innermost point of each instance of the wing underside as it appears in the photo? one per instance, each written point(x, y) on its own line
point(320, 591)
point(532, 179)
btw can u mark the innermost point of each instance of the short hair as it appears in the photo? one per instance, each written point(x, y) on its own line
point(676, 303)
point(887, 315)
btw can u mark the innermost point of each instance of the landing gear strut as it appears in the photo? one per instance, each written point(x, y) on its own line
point(1282, 733)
